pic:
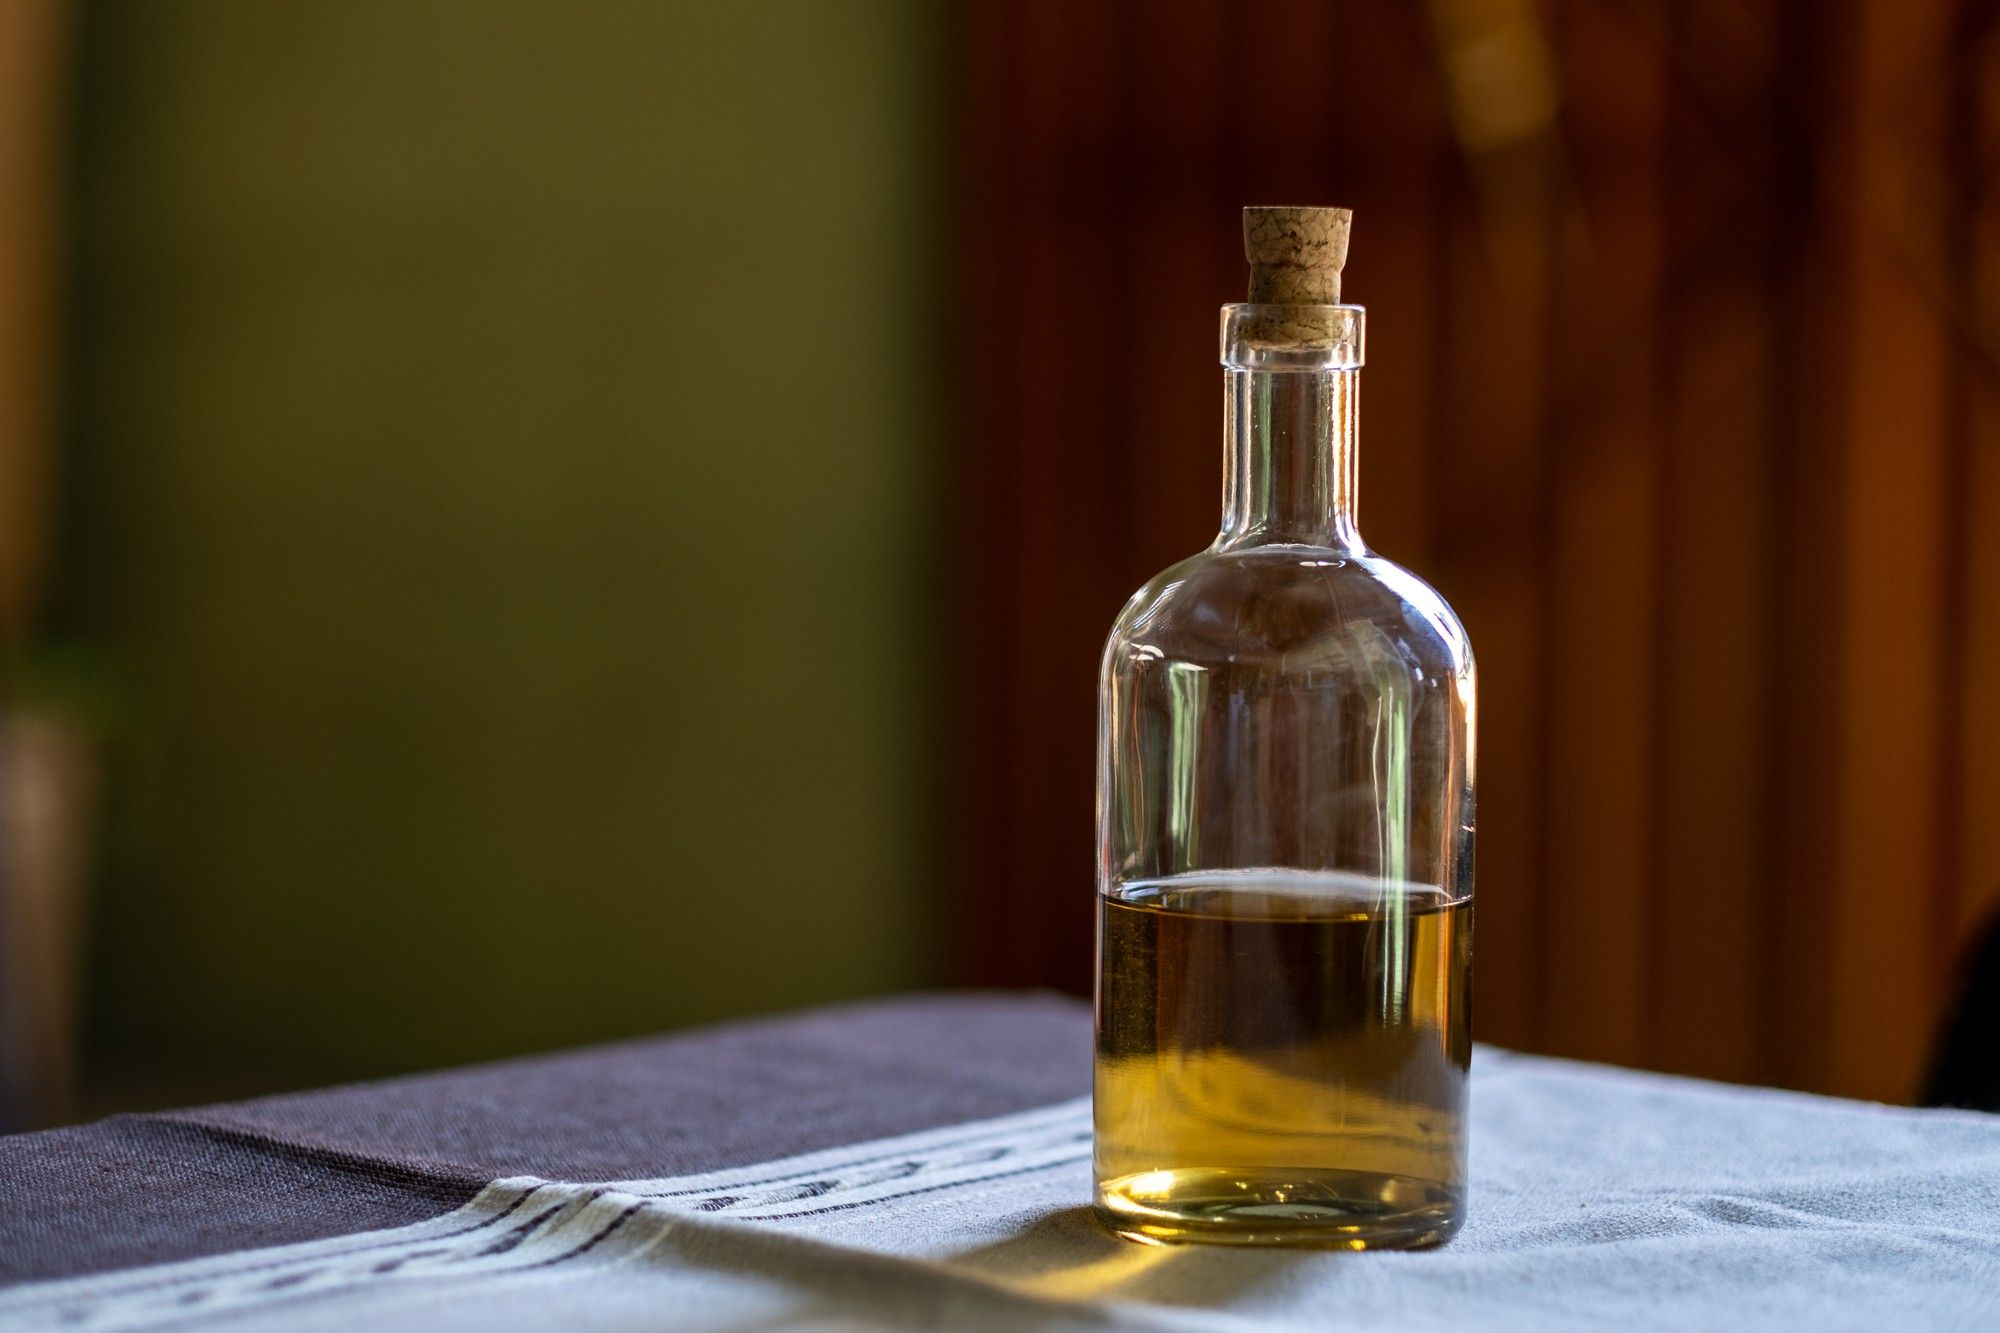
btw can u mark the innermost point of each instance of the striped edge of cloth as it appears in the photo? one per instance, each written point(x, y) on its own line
point(525, 1224)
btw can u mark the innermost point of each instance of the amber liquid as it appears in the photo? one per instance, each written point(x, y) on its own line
point(1282, 1059)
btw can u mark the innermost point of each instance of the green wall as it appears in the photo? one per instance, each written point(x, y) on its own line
point(500, 511)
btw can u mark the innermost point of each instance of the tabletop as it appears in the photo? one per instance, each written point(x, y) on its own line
point(924, 1162)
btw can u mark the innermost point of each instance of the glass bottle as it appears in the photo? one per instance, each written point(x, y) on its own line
point(1285, 816)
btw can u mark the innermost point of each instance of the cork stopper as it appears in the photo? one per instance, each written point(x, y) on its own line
point(1295, 254)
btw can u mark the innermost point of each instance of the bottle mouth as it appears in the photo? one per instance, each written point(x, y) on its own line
point(1292, 337)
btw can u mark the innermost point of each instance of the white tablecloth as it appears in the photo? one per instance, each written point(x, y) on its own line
point(1601, 1198)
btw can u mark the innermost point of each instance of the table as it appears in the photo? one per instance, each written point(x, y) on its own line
point(923, 1162)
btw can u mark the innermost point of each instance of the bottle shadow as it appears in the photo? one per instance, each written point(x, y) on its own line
point(1057, 1270)
point(1067, 1255)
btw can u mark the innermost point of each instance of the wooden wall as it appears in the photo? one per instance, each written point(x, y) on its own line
point(1684, 388)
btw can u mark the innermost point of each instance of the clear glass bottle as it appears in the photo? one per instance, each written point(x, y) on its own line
point(1285, 828)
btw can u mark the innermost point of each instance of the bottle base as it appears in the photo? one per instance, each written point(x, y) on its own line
point(1307, 1207)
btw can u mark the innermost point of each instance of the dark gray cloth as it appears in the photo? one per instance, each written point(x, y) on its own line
point(147, 1189)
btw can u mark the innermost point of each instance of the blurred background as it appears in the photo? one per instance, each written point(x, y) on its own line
point(524, 524)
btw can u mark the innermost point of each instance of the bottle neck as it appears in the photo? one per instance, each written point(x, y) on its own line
point(1289, 471)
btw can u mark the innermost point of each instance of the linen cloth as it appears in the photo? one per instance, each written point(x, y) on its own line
point(925, 1163)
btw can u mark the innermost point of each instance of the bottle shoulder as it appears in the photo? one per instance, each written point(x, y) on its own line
point(1303, 605)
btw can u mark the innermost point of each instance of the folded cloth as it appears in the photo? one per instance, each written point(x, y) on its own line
point(925, 1163)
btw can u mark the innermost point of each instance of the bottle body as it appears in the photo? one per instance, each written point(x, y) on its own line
point(1285, 819)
